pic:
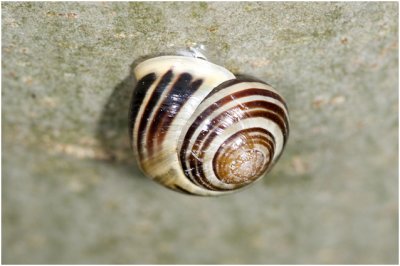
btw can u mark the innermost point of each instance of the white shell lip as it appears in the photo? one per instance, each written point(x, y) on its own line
point(194, 65)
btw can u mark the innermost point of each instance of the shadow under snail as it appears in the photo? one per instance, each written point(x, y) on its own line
point(198, 129)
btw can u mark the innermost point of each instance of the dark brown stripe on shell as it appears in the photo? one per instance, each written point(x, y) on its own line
point(213, 132)
point(180, 92)
point(138, 95)
point(163, 83)
point(229, 83)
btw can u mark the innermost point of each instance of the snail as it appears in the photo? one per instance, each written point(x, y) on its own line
point(198, 129)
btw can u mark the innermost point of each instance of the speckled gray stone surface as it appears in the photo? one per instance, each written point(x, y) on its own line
point(70, 189)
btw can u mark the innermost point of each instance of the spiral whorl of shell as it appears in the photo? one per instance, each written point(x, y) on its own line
point(198, 129)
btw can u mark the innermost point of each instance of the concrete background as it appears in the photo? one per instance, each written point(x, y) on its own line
point(72, 194)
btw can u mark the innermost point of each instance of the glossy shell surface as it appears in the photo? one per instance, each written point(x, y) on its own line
point(198, 129)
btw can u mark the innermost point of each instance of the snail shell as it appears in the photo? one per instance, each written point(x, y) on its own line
point(198, 129)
